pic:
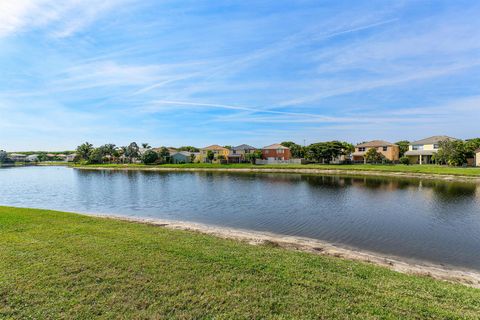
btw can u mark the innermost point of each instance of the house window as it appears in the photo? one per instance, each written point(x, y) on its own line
point(417, 147)
point(385, 148)
point(280, 151)
point(361, 149)
point(436, 146)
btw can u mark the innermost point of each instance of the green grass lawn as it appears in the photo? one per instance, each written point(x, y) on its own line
point(427, 169)
point(62, 265)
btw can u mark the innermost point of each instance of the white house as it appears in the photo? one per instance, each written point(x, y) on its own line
point(17, 157)
point(422, 151)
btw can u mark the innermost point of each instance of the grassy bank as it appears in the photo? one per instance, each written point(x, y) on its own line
point(422, 169)
point(63, 265)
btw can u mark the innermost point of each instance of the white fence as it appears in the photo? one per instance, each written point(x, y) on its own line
point(271, 161)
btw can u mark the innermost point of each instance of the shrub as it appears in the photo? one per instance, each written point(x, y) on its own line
point(404, 160)
point(149, 157)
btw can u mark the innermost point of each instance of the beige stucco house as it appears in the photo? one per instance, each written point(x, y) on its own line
point(477, 158)
point(218, 151)
point(422, 151)
point(389, 150)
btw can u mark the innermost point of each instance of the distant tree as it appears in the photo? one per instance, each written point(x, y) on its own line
point(109, 151)
point(132, 151)
point(121, 152)
point(470, 146)
point(228, 147)
point(327, 151)
point(297, 150)
point(96, 156)
point(164, 154)
point(210, 155)
point(43, 156)
point(348, 148)
point(373, 156)
point(188, 148)
point(451, 152)
point(3, 156)
point(252, 156)
point(192, 157)
point(403, 145)
point(84, 151)
point(146, 146)
point(149, 157)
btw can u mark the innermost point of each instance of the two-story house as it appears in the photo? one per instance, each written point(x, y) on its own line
point(237, 154)
point(276, 152)
point(422, 151)
point(389, 150)
point(476, 162)
point(218, 153)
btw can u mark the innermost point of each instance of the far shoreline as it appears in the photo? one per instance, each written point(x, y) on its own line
point(334, 171)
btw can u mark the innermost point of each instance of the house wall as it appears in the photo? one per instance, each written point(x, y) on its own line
point(477, 159)
point(179, 158)
point(203, 153)
point(392, 153)
point(428, 147)
point(276, 153)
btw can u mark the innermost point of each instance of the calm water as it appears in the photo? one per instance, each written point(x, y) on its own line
point(434, 221)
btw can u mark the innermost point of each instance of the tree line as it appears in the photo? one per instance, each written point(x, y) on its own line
point(320, 152)
point(110, 153)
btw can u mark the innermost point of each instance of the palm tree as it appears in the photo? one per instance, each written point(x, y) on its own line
point(122, 152)
point(109, 150)
point(146, 146)
point(84, 150)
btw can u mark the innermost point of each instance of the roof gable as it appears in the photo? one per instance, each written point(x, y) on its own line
point(375, 143)
point(214, 147)
point(244, 147)
point(276, 146)
point(432, 140)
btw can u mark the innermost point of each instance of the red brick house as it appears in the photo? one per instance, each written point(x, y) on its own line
point(276, 152)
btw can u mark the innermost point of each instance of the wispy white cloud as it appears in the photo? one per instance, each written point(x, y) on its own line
point(63, 18)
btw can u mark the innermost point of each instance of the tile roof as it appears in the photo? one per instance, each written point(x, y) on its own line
point(244, 147)
point(432, 140)
point(185, 153)
point(214, 147)
point(420, 152)
point(276, 146)
point(375, 143)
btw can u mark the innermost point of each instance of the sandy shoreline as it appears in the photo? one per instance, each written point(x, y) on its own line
point(457, 275)
point(443, 177)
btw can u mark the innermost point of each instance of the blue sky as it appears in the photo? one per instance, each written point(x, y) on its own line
point(230, 72)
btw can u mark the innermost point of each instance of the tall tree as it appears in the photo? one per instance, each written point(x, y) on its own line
point(297, 150)
point(403, 145)
point(327, 151)
point(373, 156)
point(188, 148)
point(252, 156)
point(84, 151)
point(149, 157)
point(470, 146)
point(109, 150)
point(3, 156)
point(132, 152)
point(451, 152)
point(210, 155)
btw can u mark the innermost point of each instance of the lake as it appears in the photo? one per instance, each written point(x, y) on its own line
point(427, 220)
